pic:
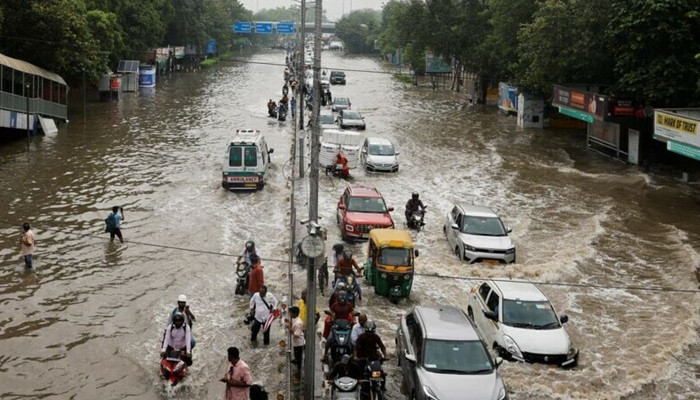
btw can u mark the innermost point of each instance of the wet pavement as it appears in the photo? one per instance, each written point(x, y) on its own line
point(87, 322)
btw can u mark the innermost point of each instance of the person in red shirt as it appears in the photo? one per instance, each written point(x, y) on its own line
point(255, 279)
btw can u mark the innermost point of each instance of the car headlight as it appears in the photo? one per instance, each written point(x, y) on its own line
point(349, 228)
point(502, 394)
point(383, 275)
point(510, 251)
point(429, 394)
point(571, 353)
point(469, 248)
point(512, 347)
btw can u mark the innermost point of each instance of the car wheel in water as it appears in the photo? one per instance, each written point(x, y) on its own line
point(458, 253)
point(470, 314)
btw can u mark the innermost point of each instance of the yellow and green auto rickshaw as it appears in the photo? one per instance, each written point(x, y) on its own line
point(389, 265)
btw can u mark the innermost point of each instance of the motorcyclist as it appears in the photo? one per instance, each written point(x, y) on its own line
point(184, 309)
point(344, 267)
point(178, 337)
point(412, 206)
point(369, 345)
point(271, 107)
point(341, 165)
point(247, 251)
point(285, 89)
point(353, 288)
point(337, 253)
point(340, 309)
point(339, 288)
point(346, 367)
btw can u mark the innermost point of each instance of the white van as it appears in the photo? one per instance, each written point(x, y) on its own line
point(246, 161)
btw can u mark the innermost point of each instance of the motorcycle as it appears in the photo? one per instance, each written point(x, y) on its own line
point(282, 114)
point(272, 112)
point(242, 275)
point(351, 288)
point(173, 368)
point(376, 380)
point(417, 220)
point(336, 171)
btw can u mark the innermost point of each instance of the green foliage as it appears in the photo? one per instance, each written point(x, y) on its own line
point(655, 43)
point(565, 44)
point(406, 24)
point(500, 46)
point(209, 62)
point(403, 78)
point(358, 30)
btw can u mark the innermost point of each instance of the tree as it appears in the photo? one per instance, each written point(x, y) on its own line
point(358, 30)
point(655, 43)
point(565, 43)
point(406, 24)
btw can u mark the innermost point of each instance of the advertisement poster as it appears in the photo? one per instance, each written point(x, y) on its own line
point(507, 98)
point(680, 128)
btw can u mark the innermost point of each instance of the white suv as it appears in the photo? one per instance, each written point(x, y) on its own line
point(477, 234)
point(518, 320)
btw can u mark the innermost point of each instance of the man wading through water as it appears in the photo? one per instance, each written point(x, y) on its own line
point(113, 222)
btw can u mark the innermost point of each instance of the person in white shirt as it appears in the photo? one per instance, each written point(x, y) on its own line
point(27, 245)
point(298, 339)
point(178, 337)
point(359, 328)
point(261, 304)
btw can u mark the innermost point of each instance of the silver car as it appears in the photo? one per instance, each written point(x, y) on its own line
point(341, 103)
point(477, 234)
point(349, 119)
point(443, 357)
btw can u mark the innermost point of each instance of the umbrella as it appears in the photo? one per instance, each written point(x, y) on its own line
point(274, 314)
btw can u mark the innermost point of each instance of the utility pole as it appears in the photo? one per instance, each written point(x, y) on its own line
point(302, 70)
point(315, 229)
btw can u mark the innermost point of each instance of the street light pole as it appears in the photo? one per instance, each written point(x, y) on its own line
point(302, 70)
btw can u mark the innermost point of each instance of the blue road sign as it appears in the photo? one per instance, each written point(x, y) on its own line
point(241, 27)
point(285, 28)
point(211, 46)
point(263, 27)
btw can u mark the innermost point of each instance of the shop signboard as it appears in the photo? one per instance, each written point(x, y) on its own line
point(436, 65)
point(678, 125)
point(684, 149)
point(578, 104)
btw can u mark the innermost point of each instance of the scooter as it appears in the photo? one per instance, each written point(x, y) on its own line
point(351, 288)
point(340, 331)
point(336, 171)
point(173, 368)
point(272, 112)
point(242, 275)
point(282, 114)
point(345, 388)
point(417, 220)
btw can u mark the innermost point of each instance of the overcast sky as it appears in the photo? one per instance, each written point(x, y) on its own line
point(334, 8)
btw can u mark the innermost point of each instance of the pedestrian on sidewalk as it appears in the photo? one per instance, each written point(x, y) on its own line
point(302, 308)
point(237, 377)
point(113, 222)
point(261, 304)
point(296, 326)
point(27, 248)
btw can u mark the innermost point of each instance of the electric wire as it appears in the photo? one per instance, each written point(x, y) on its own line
point(437, 276)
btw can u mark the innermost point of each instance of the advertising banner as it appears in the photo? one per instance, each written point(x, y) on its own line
point(680, 128)
point(436, 65)
point(582, 105)
point(507, 98)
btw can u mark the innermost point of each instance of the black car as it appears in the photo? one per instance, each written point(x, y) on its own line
point(337, 77)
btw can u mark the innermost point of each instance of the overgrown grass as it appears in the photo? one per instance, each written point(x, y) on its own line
point(209, 62)
point(404, 78)
point(226, 56)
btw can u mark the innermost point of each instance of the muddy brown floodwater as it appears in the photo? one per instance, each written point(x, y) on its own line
point(87, 322)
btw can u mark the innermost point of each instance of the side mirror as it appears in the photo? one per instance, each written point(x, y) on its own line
point(409, 357)
point(454, 226)
point(415, 252)
point(396, 153)
point(491, 315)
point(498, 361)
point(564, 319)
point(391, 209)
point(509, 229)
point(270, 151)
point(341, 206)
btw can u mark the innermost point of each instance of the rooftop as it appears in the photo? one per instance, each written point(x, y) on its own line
point(446, 323)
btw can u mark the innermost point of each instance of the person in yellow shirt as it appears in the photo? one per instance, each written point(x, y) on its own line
point(302, 308)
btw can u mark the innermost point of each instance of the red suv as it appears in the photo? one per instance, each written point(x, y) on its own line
point(361, 209)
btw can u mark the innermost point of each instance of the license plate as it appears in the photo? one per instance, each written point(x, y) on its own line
point(242, 179)
point(251, 185)
point(492, 262)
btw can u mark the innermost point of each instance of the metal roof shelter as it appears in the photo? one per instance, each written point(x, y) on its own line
point(130, 69)
point(28, 68)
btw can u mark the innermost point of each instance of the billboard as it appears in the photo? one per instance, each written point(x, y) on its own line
point(678, 125)
point(507, 98)
point(579, 104)
point(436, 65)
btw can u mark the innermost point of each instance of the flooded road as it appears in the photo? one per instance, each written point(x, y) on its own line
point(88, 322)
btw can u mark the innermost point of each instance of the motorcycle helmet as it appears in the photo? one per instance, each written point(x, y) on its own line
point(345, 360)
point(178, 317)
point(342, 297)
point(182, 298)
point(340, 286)
point(414, 196)
point(338, 248)
point(249, 245)
point(370, 326)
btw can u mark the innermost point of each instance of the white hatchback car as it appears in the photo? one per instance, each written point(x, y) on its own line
point(379, 155)
point(476, 233)
point(518, 321)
